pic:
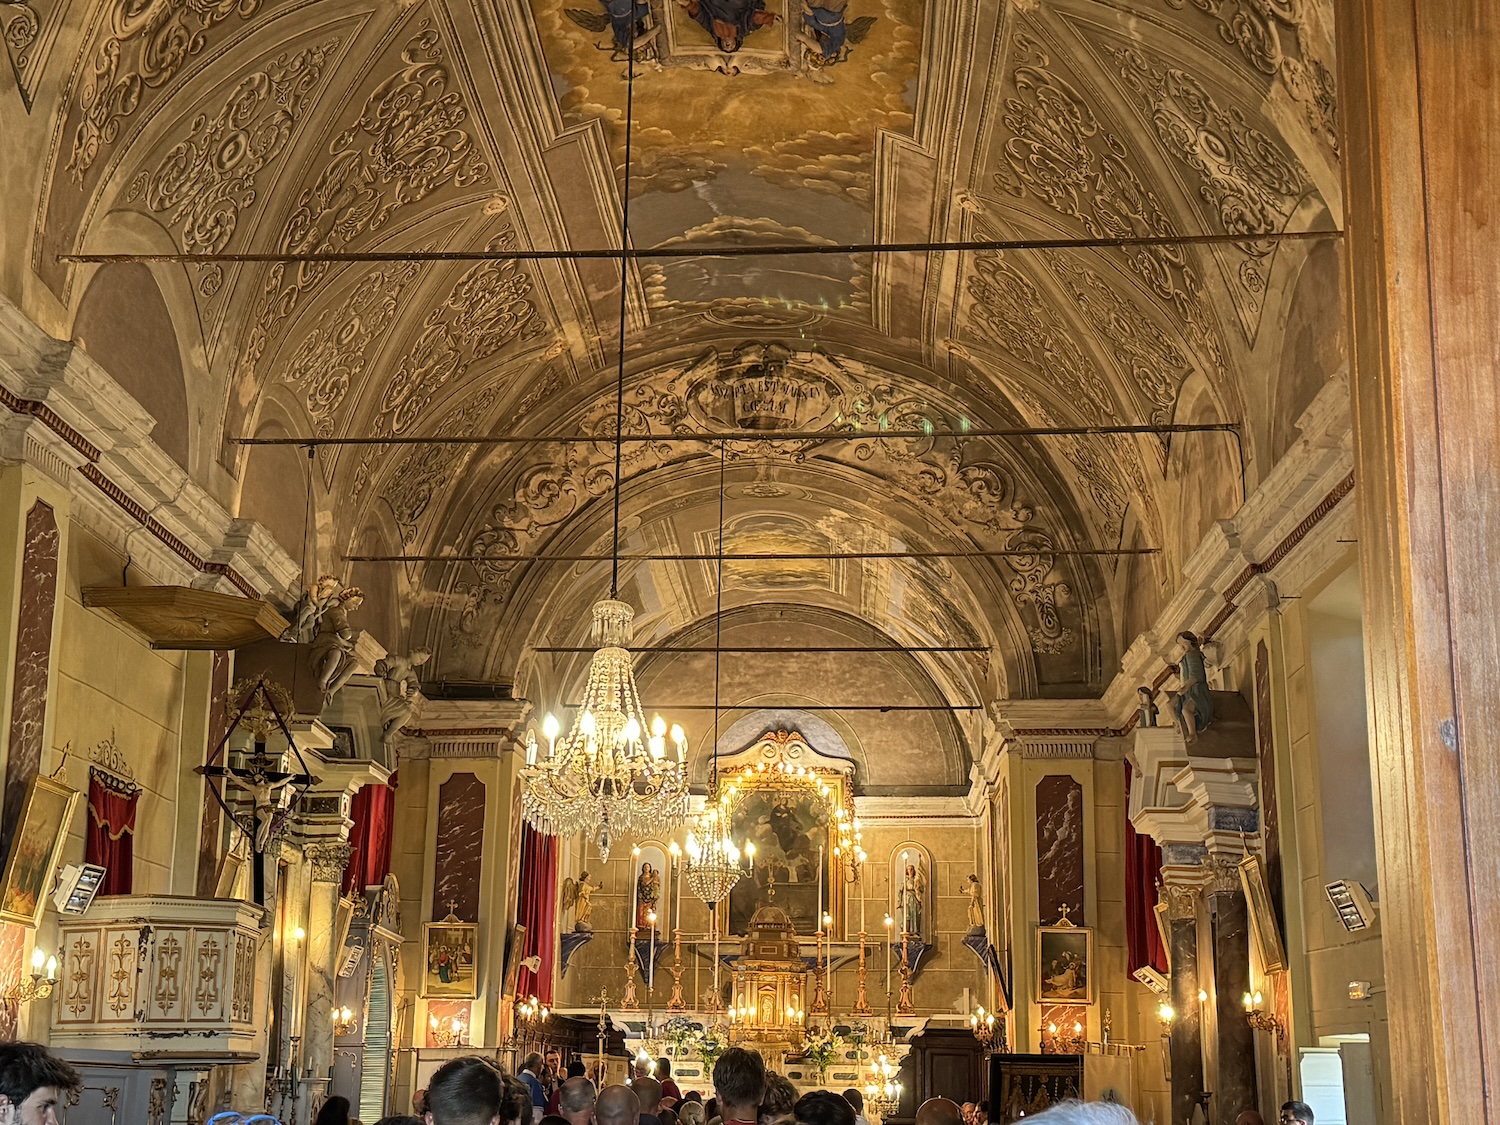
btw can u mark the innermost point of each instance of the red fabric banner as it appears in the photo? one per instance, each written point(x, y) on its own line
point(1142, 873)
point(372, 810)
point(109, 836)
point(538, 912)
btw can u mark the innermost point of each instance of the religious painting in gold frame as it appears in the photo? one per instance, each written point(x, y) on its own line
point(1065, 964)
point(449, 950)
point(35, 850)
point(1262, 914)
point(792, 812)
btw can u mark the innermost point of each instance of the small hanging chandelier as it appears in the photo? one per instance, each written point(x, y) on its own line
point(607, 775)
point(714, 863)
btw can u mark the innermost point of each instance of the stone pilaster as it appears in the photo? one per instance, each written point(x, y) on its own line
point(327, 861)
point(1234, 1088)
point(1186, 1041)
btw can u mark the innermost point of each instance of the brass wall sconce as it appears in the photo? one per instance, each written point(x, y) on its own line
point(1257, 1017)
point(41, 983)
point(446, 1033)
point(1065, 1041)
point(344, 1022)
point(982, 1024)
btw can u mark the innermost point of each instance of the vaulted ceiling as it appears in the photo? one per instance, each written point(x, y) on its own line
point(286, 126)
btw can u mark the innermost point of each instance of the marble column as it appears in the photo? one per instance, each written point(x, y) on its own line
point(328, 860)
point(1234, 1088)
point(1186, 1043)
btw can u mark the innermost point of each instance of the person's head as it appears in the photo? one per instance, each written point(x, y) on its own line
point(1189, 639)
point(419, 1102)
point(617, 1105)
point(400, 1119)
point(740, 1081)
point(967, 1110)
point(1084, 1113)
point(32, 1082)
point(533, 1063)
point(1295, 1113)
point(667, 1116)
point(468, 1091)
point(855, 1099)
point(575, 1100)
point(693, 1096)
point(335, 1111)
point(691, 1113)
point(664, 1068)
point(711, 1109)
point(777, 1102)
point(515, 1101)
point(648, 1090)
point(981, 1113)
point(576, 1069)
point(1250, 1117)
point(823, 1107)
point(939, 1111)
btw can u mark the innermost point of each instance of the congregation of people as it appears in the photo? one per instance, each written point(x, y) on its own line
point(474, 1090)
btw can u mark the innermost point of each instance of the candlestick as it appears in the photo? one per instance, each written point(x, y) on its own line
point(905, 1003)
point(887, 956)
point(635, 887)
point(861, 996)
point(628, 1003)
point(820, 886)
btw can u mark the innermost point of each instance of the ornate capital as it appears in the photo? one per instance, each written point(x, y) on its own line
point(328, 860)
point(1181, 900)
point(1224, 876)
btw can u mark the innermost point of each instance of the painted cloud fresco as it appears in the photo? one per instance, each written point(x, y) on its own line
point(773, 141)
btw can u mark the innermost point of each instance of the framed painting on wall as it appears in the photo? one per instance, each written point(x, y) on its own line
point(1064, 964)
point(448, 960)
point(35, 850)
point(1262, 914)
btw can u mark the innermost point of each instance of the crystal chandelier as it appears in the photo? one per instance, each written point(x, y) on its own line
point(607, 775)
point(714, 863)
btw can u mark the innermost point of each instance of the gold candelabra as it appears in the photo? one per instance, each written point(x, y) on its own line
point(676, 1003)
point(820, 968)
point(344, 1022)
point(1257, 1017)
point(905, 1003)
point(982, 1023)
point(629, 1003)
point(861, 995)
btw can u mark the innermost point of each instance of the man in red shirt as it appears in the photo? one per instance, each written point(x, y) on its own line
point(671, 1093)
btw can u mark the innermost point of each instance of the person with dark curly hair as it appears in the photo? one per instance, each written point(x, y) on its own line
point(32, 1082)
point(740, 1082)
point(473, 1091)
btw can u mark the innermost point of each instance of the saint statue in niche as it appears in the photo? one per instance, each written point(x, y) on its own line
point(909, 902)
point(647, 892)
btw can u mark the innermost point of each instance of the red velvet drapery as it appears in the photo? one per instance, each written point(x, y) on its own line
point(109, 837)
point(372, 810)
point(538, 911)
point(1142, 871)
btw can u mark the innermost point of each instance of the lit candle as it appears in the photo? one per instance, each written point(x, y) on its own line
point(820, 888)
point(635, 886)
point(677, 878)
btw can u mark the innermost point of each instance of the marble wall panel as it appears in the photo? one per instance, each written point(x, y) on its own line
point(460, 846)
point(33, 655)
point(1059, 849)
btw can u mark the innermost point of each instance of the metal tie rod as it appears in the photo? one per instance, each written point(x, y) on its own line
point(750, 436)
point(767, 556)
point(668, 708)
point(780, 651)
point(661, 253)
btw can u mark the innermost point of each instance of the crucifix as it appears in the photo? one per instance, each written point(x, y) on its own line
point(273, 791)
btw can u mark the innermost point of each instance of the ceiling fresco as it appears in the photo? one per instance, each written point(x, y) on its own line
point(349, 126)
point(772, 143)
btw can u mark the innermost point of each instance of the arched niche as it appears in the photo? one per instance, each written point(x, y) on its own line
point(1205, 469)
point(274, 490)
point(124, 324)
point(1312, 348)
point(921, 883)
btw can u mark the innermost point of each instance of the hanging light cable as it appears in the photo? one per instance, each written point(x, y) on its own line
point(713, 860)
point(608, 775)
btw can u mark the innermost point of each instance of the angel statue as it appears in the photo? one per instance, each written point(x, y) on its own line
point(332, 654)
point(399, 678)
point(578, 896)
point(909, 900)
point(975, 894)
point(316, 600)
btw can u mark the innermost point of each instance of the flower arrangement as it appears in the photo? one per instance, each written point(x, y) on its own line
point(680, 1033)
point(823, 1048)
point(711, 1044)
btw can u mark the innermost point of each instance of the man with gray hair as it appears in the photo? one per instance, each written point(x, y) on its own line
point(575, 1101)
point(617, 1105)
point(1084, 1113)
